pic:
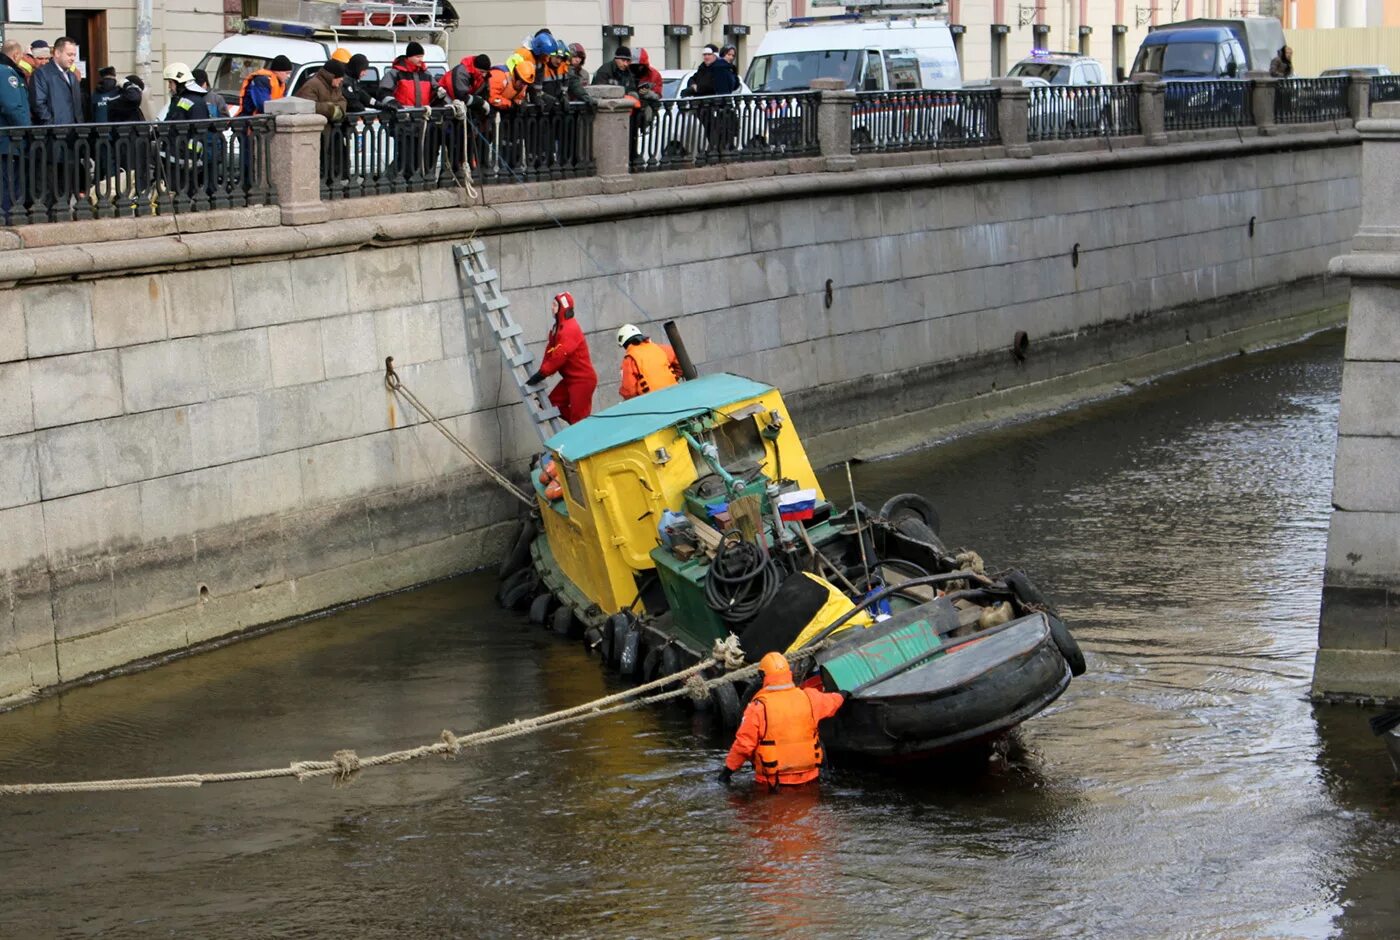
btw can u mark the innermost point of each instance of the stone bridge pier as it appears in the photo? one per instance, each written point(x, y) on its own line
point(1359, 634)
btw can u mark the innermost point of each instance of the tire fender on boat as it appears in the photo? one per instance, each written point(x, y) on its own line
point(629, 658)
point(519, 554)
point(726, 699)
point(1028, 596)
point(517, 589)
point(618, 625)
point(651, 664)
point(563, 620)
point(911, 505)
point(541, 607)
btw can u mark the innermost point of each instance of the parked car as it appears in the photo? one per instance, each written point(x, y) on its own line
point(1080, 103)
point(1249, 42)
point(1372, 70)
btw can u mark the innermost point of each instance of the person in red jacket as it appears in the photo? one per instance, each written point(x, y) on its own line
point(566, 352)
point(779, 730)
point(647, 76)
point(409, 82)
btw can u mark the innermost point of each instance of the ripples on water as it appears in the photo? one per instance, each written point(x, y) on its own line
point(1182, 787)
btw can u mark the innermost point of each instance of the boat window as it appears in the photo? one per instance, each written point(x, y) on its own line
point(739, 444)
point(573, 482)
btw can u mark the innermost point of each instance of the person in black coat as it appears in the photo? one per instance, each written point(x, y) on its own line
point(359, 96)
point(714, 77)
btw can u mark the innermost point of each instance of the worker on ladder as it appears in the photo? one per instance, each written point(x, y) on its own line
point(646, 366)
point(778, 733)
point(566, 352)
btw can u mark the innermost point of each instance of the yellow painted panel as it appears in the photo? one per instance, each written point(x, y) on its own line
point(1318, 49)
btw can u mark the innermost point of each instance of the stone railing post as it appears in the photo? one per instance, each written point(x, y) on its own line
point(1152, 114)
point(1263, 99)
point(1013, 116)
point(612, 135)
point(1359, 96)
point(296, 160)
point(834, 123)
point(1359, 632)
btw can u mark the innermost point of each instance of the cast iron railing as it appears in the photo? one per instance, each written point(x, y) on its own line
point(1310, 100)
point(1385, 88)
point(685, 132)
point(925, 119)
point(1223, 102)
point(1063, 112)
point(102, 171)
point(415, 149)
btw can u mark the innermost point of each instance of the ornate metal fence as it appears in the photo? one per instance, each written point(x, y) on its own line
point(1385, 88)
point(416, 149)
point(724, 129)
point(1221, 102)
point(1310, 100)
point(892, 121)
point(102, 171)
point(1064, 112)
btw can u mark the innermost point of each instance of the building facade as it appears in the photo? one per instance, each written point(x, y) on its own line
point(106, 32)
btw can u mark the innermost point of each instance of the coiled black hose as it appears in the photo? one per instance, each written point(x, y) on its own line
point(741, 580)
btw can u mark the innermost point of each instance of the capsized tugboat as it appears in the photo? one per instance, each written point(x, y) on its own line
point(673, 519)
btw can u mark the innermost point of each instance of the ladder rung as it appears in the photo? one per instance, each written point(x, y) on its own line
point(522, 358)
point(484, 277)
point(508, 330)
point(497, 303)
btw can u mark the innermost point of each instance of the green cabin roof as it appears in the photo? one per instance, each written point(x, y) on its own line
point(635, 418)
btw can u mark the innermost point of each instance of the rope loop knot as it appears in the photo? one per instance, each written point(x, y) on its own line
point(347, 765)
point(728, 653)
point(451, 745)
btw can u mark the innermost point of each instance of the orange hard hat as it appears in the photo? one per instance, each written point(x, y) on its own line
point(341, 55)
point(526, 72)
point(773, 663)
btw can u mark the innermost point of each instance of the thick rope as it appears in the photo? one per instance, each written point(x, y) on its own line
point(345, 764)
point(395, 385)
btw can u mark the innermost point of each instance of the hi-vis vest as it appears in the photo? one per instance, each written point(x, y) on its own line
point(790, 746)
point(278, 89)
point(651, 366)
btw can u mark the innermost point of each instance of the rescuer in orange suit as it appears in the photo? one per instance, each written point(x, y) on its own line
point(646, 366)
point(566, 352)
point(779, 731)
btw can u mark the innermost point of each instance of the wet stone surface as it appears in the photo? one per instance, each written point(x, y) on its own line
point(1184, 786)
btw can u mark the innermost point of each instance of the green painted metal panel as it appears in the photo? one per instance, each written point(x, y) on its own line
point(883, 655)
point(683, 582)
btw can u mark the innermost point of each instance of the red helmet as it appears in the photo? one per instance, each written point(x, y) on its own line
point(577, 49)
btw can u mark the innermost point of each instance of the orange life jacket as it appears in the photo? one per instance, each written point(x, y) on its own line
point(646, 367)
point(789, 750)
point(278, 89)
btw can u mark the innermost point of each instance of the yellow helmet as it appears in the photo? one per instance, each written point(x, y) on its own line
point(341, 55)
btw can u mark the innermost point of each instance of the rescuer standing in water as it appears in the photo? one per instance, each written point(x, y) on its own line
point(779, 731)
point(566, 352)
point(646, 366)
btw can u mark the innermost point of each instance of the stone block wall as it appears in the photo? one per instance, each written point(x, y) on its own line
point(185, 454)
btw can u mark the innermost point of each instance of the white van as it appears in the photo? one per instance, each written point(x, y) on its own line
point(872, 47)
point(235, 57)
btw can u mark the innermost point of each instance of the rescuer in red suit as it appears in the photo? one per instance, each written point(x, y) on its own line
point(566, 353)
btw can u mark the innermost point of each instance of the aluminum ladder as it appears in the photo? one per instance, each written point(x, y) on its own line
point(519, 361)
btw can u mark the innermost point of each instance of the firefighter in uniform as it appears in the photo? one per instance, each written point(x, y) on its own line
point(779, 731)
point(646, 366)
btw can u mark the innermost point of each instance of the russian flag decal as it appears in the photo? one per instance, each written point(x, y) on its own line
point(797, 505)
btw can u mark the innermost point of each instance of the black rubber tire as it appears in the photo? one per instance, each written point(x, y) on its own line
point(629, 657)
point(517, 597)
point(907, 505)
point(910, 526)
point(1068, 646)
point(541, 607)
point(593, 638)
point(618, 625)
point(1027, 594)
point(727, 707)
point(750, 690)
point(651, 663)
point(519, 554)
point(670, 661)
point(524, 576)
point(563, 620)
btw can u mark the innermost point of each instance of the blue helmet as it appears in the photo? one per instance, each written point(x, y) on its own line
point(542, 44)
point(561, 49)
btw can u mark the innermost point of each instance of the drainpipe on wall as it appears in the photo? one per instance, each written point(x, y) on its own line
point(143, 40)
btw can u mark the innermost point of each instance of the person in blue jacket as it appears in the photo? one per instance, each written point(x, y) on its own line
point(14, 112)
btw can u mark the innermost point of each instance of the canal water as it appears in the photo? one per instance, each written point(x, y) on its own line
point(1184, 786)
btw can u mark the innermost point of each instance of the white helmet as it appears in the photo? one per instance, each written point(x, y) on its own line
point(628, 332)
point(178, 72)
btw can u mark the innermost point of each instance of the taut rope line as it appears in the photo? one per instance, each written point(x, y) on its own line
point(345, 764)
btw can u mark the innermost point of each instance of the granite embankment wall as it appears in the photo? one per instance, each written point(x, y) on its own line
point(195, 437)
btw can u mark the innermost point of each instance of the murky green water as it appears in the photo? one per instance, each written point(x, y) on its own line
point(1183, 787)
